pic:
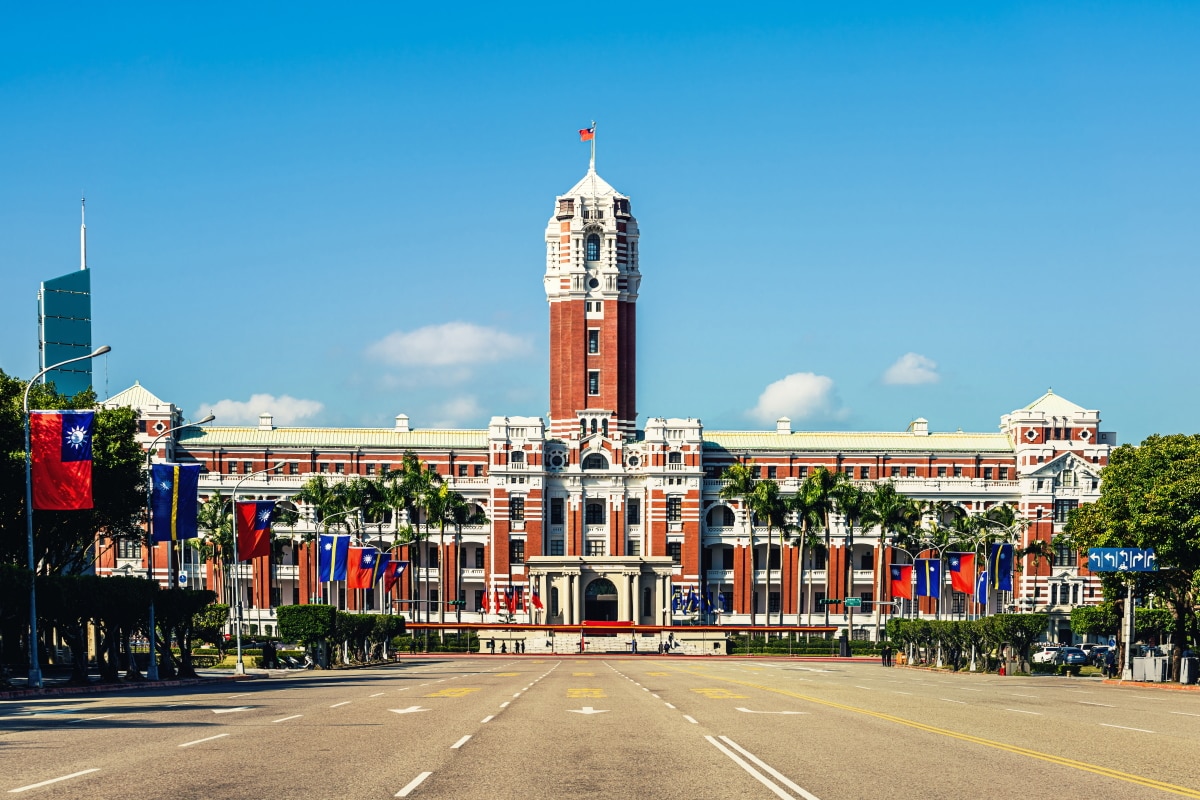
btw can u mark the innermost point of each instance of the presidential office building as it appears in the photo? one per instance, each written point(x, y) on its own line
point(608, 519)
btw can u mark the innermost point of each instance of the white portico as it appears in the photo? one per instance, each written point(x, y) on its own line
point(575, 589)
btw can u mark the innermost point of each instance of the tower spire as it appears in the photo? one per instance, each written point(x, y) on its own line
point(82, 233)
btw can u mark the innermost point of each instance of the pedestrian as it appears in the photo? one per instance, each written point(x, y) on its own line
point(633, 645)
point(492, 646)
point(1110, 663)
point(503, 648)
point(883, 655)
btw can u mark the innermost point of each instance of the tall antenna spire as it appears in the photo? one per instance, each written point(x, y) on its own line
point(82, 233)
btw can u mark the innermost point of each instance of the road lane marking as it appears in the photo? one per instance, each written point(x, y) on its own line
point(1102, 705)
point(1032, 696)
point(758, 776)
point(461, 742)
point(209, 739)
point(458, 691)
point(1082, 766)
point(285, 719)
point(897, 691)
point(377, 694)
point(748, 711)
point(413, 784)
point(668, 705)
point(1124, 728)
point(505, 704)
point(1185, 714)
point(580, 692)
point(487, 719)
point(720, 694)
point(948, 700)
point(230, 710)
point(689, 719)
point(335, 705)
point(1023, 711)
point(409, 710)
point(243, 694)
point(768, 768)
point(583, 674)
point(53, 780)
point(106, 716)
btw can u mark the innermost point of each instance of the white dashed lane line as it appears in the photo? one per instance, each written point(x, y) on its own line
point(208, 739)
point(53, 780)
point(413, 784)
point(461, 742)
point(285, 719)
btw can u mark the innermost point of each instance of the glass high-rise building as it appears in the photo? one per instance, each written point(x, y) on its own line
point(65, 325)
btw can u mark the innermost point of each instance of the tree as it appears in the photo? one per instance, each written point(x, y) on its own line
point(208, 625)
point(318, 494)
point(405, 490)
point(459, 513)
point(897, 517)
point(739, 484)
point(772, 508)
point(1150, 498)
point(1020, 631)
point(809, 523)
point(853, 504)
point(820, 489)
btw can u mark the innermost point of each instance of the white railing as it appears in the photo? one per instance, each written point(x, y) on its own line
point(720, 576)
point(472, 574)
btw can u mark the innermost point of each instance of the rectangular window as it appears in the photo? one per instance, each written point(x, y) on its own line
point(818, 557)
point(941, 472)
point(384, 469)
point(675, 551)
point(633, 547)
point(556, 547)
point(593, 341)
point(594, 381)
point(370, 469)
point(633, 512)
point(1004, 473)
point(556, 511)
point(910, 472)
point(864, 473)
point(479, 470)
point(479, 558)
point(957, 471)
point(1063, 509)
point(129, 548)
point(987, 473)
point(1064, 555)
point(322, 467)
point(594, 547)
point(339, 468)
point(516, 551)
point(478, 600)
point(233, 468)
point(772, 473)
point(516, 508)
point(895, 472)
point(462, 470)
point(674, 509)
point(802, 472)
point(849, 472)
point(773, 603)
point(293, 468)
point(819, 600)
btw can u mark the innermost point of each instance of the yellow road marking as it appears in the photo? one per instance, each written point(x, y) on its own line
point(458, 691)
point(585, 693)
point(657, 674)
point(719, 694)
point(507, 674)
point(1083, 766)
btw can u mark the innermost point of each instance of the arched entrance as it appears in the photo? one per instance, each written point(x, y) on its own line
point(600, 601)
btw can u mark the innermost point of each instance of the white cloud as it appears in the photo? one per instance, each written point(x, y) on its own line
point(285, 409)
point(456, 411)
point(446, 344)
point(799, 395)
point(911, 368)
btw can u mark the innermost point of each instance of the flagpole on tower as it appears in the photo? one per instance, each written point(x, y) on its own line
point(592, 163)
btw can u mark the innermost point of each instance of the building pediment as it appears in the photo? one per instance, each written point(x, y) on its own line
point(1066, 462)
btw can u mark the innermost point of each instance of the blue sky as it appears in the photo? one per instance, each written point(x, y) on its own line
point(854, 214)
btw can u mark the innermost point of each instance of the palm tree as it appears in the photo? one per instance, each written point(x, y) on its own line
point(852, 502)
point(437, 504)
point(405, 490)
point(820, 490)
point(215, 516)
point(318, 494)
point(896, 516)
point(771, 507)
point(809, 523)
point(740, 480)
point(460, 512)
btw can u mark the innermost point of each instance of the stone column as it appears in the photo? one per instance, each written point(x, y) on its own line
point(569, 596)
point(623, 609)
point(634, 579)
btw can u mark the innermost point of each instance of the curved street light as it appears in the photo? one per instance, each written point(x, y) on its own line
point(34, 680)
point(152, 668)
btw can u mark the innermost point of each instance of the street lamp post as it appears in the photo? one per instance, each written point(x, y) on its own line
point(152, 668)
point(34, 680)
point(240, 669)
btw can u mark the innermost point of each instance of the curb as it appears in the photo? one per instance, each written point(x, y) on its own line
point(104, 688)
point(1165, 686)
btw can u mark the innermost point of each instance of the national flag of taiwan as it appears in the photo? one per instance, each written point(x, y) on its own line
point(587, 134)
point(392, 575)
point(962, 571)
point(510, 599)
point(1000, 566)
point(929, 577)
point(254, 528)
point(981, 588)
point(360, 568)
point(174, 501)
point(381, 565)
point(536, 599)
point(61, 454)
point(521, 600)
point(902, 580)
point(334, 549)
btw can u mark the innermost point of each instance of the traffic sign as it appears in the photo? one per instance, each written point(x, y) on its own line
point(854, 602)
point(829, 601)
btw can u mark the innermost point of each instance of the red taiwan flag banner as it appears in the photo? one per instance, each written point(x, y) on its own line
point(254, 528)
point(902, 580)
point(521, 600)
point(360, 568)
point(536, 599)
point(61, 454)
point(510, 599)
point(962, 572)
point(392, 575)
point(587, 134)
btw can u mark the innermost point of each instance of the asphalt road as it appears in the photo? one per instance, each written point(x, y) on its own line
point(660, 727)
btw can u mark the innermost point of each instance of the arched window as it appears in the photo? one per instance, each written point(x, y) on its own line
point(594, 514)
point(595, 461)
point(593, 426)
point(604, 426)
point(593, 247)
point(583, 427)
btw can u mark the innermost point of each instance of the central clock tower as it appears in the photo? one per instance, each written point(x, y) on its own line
point(591, 285)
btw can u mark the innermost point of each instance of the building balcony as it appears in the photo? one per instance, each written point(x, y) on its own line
point(719, 576)
point(472, 574)
point(864, 575)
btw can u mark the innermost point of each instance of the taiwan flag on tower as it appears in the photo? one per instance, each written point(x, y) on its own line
point(587, 134)
point(902, 580)
point(962, 571)
point(254, 528)
point(61, 456)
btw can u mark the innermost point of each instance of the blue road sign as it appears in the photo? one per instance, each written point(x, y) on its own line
point(1121, 559)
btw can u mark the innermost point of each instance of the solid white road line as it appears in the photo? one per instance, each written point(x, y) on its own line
point(1032, 696)
point(377, 694)
point(209, 739)
point(407, 790)
point(1124, 728)
point(335, 705)
point(53, 780)
point(461, 742)
point(769, 769)
point(1102, 705)
point(948, 700)
point(1185, 714)
point(896, 691)
point(689, 719)
point(758, 776)
point(285, 719)
point(1023, 711)
point(105, 716)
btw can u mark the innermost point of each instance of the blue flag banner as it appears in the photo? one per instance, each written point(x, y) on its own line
point(174, 501)
point(1000, 567)
point(929, 577)
point(981, 588)
point(332, 557)
point(676, 600)
point(1122, 559)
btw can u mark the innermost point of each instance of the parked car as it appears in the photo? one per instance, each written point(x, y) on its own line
point(1097, 654)
point(1046, 655)
point(1071, 657)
